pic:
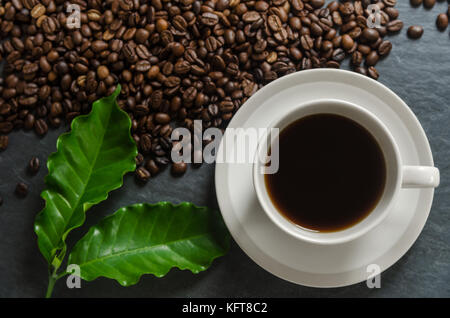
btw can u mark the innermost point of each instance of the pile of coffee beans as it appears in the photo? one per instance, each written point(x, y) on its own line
point(177, 61)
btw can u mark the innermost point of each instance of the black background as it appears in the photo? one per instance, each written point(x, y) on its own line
point(418, 71)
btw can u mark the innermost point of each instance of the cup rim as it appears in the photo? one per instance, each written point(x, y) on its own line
point(297, 231)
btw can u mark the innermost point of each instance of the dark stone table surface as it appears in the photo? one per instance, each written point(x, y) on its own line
point(418, 71)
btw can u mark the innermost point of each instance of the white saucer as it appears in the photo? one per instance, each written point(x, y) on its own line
point(315, 265)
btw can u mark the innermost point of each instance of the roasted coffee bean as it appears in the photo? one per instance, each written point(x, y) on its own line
point(139, 159)
point(415, 31)
point(390, 3)
point(145, 143)
point(307, 42)
point(384, 48)
point(372, 58)
point(161, 161)
point(429, 3)
point(29, 122)
point(152, 167)
point(178, 168)
point(102, 72)
point(6, 127)
point(162, 118)
point(370, 35)
point(208, 19)
point(372, 72)
point(21, 190)
point(143, 66)
point(4, 140)
point(361, 70)
point(442, 21)
point(347, 42)
point(416, 3)
point(33, 165)
point(357, 58)
point(40, 127)
point(392, 13)
point(338, 55)
point(394, 26)
point(37, 11)
point(142, 174)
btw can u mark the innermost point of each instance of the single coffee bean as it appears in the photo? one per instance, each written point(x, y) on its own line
point(33, 165)
point(142, 35)
point(338, 55)
point(372, 71)
point(372, 58)
point(392, 13)
point(361, 70)
point(209, 19)
point(40, 127)
point(145, 143)
point(394, 26)
point(384, 48)
point(6, 127)
point(251, 16)
point(4, 140)
point(429, 3)
point(178, 168)
point(274, 23)
point(161, 25)
point(371, 35)
point(38, 11)
point(162, 118)
point(415, 31)
point(21, 190)
point(102, 72)
point(139, 159)
point(143, 66)
point(152, 167)
point(29, 122)
point(389, 3)
point(347, 42)
point(416, 3)
point(142, 174)
point(161, 161)
point(357, 58)
point(317, 3)
point(442, 21)
point(261, 6)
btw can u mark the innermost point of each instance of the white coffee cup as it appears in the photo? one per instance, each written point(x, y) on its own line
point(397, 175)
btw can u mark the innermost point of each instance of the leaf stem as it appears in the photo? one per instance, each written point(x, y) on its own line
point(61, 275)
point(52, 278)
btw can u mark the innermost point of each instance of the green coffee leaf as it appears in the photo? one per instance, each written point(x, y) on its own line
point(151, 239)
point(90, 161)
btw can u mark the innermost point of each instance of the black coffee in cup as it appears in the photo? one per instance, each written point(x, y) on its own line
point(332, 173)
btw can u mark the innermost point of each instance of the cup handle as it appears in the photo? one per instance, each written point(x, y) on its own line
point(420, 177)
